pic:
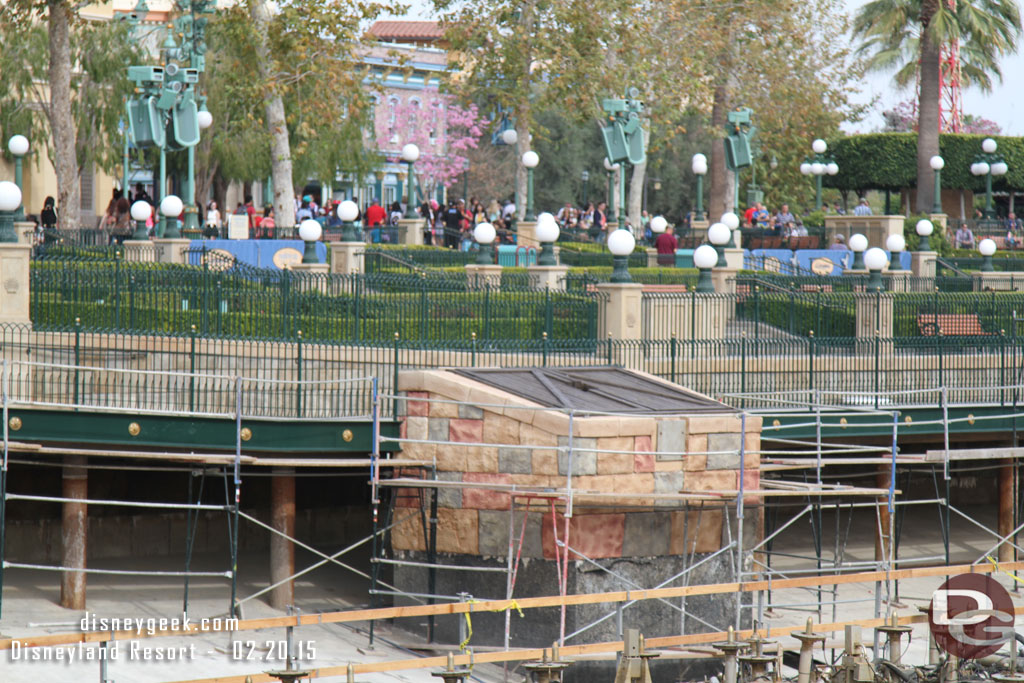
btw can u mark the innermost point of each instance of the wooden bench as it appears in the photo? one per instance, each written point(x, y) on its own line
point(950, 325)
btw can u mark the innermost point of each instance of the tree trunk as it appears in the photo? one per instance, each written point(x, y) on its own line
point(927, 113)
point(636, 188)
point(62, 124)
point(277, 126)
point(719, 199)
point(522, 147)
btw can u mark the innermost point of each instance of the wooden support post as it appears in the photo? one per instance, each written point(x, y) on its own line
point(1006, 504)
point(882, 535)
point(74, 525)
point(282, 550)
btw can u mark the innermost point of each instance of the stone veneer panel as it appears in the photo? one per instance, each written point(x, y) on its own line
point(595, 536)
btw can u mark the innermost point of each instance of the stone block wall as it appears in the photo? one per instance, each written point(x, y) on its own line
point(498, 438)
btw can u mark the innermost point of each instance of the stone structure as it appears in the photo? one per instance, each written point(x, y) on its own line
point(876, 228)
point(616, 462)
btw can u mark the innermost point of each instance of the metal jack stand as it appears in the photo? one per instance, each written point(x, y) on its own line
point(634, 666)
point(730, 647)
point(450, 674)
point(547, 670)
point(288, 676)
point(758, 661)
point(893, 633)
point(807, 639)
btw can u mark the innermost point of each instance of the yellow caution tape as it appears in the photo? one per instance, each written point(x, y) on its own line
point(512, 604)
point(997, 568)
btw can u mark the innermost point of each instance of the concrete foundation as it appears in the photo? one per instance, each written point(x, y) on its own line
point(171, 250)
point(347, 257)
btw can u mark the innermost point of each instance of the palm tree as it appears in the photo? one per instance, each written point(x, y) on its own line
point(908, 35)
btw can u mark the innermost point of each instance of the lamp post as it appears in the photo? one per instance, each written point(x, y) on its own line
point(309, 232)
point(140, 211)
point(718, 235)
point(410, 153)
point(858, 243)
point(621, 243)
point(484, 235)
point(510, 137)
point(705, 258)
point(10, 200)
point(987, 247)
point(18, 147)
point(924, 229)
point(989, 164)
point(547, 234)
point(818, 164)
point(731, 221)
point(530, 161)
point(874, 259)
point(585, 177)
point(171, 207)
point(699, 166)
point(204, 119)
point(611, 169)
point(896, 245)
point(347, 212)
point(937, 162)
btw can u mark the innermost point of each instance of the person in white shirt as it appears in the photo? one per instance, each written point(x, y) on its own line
point(862, 209)
point(212, 225)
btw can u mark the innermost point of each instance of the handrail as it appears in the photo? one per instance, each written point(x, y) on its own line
point(949, 266)
point(412, 265)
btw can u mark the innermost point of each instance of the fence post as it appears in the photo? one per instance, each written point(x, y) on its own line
point(757, 312)
point(192, 372)
point(78, 357)
point(117, 292)
point(487, 310)
point(1002, 369)
point(743, 371)
point(693, 323)
point(810, 366)
point(285, 291)
point(544, 349)
point(609, 348)
point(221, 305)
point(548, 314)
point(472, 351)
point(394, 385)
point(878, 349)
point(131, 302)
point(298, 374)
point(424, 322)
point(672, 355)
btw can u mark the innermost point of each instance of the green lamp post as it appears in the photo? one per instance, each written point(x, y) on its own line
point(924, 230)
point(141, 210)
point(937, 162)
point(699, 166)
point(18, 147)
point(611, 169)
point(309, 232)
point(705, 258)
point(874, 261)
point(719, 235)
point(858, 243)
point(989, 164)
point(547, 233)
point(530, 161)
point(347, 212)
point(818, 164)
point(410, 153)
point(484, 235)
point(621, 243)
point(171, 207)
point(987, 247)
point(10, 200)
point(896, 245)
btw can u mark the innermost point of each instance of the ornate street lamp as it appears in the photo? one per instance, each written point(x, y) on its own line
point(347, 212)
point(924, 230)
point(10, 200)
point(896, 245)
point(987, 247)
point(547, 234)
point(171, 207)
point(484, 235)
point(611, 169)
point(658, 225)
point(719, 235)
point(18, 147)
point(937, 162)
point(699, 166)
point(141, 210)
point(818, 164)
point(858, 243)
point(530, 161)
point(309, 232)
point(509, 136)
point(204, 119)
point(732, 221)
point(705, 258)
point(621, 243)
point(874, 259)
point(410, 153)
point(989, 164)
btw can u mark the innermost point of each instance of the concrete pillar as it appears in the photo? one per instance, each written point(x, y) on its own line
point(282, 550)
point(883, 529)
point(940, 220)
point(139, 251)
point(526, 234)
point(346, 257)
point(874, 315)
point(410, 231)
point(621, 310)
point(26, 231)
point(734, 257)
point(74, 525)
point(14, 281)
point(724, 279)
point(922, 264)
point(483, 277)
point(1005, 523)
point(548, 277)
point(171, 250)
point(652, 258)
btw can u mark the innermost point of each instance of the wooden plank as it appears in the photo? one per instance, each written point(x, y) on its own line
point(349, 616)
point(974, 454)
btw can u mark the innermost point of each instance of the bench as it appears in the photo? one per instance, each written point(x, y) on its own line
point(950, 325)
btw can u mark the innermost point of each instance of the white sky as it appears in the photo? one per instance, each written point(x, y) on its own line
point(1004, 105)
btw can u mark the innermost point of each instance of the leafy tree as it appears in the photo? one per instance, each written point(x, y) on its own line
point(71, 113)
point(908, 35)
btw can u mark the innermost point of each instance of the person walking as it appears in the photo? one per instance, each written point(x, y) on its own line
point(211, 228)
point(666, 244)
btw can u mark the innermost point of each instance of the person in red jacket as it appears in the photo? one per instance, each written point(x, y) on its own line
point(376, 216)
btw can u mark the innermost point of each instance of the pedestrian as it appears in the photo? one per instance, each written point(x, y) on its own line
point(862, 208)
point(666, 244)
point(212, 225)
point(964, 238)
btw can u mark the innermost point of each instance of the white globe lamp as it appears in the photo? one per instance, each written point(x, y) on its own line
point(705, 258)
point(819, 146)
point(547, 233)
point(484, 235)
point(658, 225)
point(621, 243)
point(140, 212)
point(896, 245)
point(874, 260)
point(858, 243)
point(309, 232)
point(509, 136)
point(924, 230)
point(987, 247)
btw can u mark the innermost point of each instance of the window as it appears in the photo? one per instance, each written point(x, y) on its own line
point(393, 103)
point(435, 122)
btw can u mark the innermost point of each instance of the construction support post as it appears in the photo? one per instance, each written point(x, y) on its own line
point(1005, 524)
point(884, 523)
point(74, 524)
point(282, 550)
